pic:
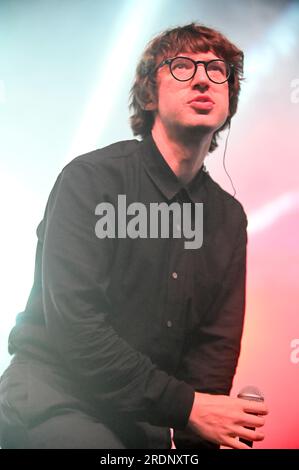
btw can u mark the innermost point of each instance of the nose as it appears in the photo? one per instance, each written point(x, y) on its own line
point(200, 77)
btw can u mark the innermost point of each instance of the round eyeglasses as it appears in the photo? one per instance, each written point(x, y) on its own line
point(184, 68)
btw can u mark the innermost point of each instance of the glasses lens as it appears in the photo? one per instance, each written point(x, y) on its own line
point(182, 69)
point(218, 71)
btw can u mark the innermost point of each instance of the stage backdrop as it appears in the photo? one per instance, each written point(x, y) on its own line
point(66, 68)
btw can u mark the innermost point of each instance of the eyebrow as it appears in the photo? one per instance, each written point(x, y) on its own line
point(181, 54)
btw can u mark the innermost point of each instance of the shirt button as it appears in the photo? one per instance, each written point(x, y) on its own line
point(175, 275)
point(169, 324)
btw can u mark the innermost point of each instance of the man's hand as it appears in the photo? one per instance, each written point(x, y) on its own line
point(222, 419)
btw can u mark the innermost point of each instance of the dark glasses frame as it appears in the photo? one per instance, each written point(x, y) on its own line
point(229, 68)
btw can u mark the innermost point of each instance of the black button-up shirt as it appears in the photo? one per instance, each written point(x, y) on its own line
point(142, 322)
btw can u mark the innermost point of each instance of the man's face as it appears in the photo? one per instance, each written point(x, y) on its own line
point(182, 104)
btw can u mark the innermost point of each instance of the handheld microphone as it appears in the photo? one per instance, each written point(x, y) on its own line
point(252, 393)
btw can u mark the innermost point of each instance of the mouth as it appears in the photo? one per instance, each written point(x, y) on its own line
point(201, 102)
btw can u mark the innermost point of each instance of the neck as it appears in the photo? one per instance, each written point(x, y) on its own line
point(184, 150)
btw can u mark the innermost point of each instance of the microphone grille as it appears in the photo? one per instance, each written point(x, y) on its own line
point(250, 392)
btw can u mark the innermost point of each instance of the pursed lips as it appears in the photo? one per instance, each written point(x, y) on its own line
point(201, 99)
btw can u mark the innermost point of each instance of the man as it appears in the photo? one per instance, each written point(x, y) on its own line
point(126, 337)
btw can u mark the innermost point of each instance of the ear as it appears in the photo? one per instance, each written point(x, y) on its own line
point(150, 100)
point(151, 105)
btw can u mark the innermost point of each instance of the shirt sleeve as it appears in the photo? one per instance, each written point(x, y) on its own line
point(76, 267)
point(210, 359)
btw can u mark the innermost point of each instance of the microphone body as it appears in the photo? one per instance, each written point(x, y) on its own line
point(253, 394)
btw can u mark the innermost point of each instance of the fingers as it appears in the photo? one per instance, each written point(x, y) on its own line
point(250, 435)
point(225, 420)
point(243, 433)
point(254, 407)
point(252, 421)
point(234, 443)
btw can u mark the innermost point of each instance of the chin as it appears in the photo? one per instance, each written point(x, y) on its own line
point(203, 125)
point(208, 122)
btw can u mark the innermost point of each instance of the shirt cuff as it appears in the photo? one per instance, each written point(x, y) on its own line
point(175, 406)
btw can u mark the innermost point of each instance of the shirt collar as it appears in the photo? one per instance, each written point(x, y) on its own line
point(163, 176)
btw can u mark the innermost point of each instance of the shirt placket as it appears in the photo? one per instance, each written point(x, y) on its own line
point(173, 317)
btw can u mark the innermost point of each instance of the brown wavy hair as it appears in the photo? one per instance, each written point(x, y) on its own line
point(190, 38)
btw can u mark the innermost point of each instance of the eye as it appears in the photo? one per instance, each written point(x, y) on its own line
point(217, 67)
point(182, 64)
point(179, 65)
